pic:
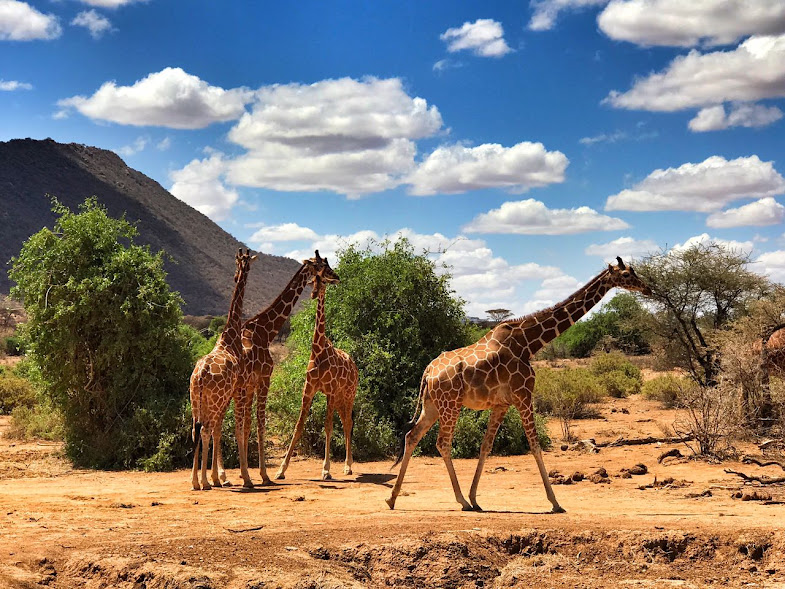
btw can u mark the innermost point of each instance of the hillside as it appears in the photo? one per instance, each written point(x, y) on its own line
point(203, 252)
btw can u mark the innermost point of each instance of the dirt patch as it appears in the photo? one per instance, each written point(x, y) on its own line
point(65, 528)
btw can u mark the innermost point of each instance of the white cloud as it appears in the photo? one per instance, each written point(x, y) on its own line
point(284, 232)
point(446, 64)
point(21, 22)
point(138, 145)
point(12, 85)
point(110, 3)
point(547, 11)
point(456, 168)
point(704, 187)
point(164, 144)
point(755, 70)
point(347, 136)
point(714, 118)
point(765, 211)
point(532, 217)
point(603, 138)
point(677, 23)
point(625, 247)
point(704, 239)
point(200, 184)
point(169, 98)
point(96, 23)
point(773, 265)
point(484, 37)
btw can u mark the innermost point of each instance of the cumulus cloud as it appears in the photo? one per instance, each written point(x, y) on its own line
point(532, 217)
point(169, 98)
point(677, 23)
point(458, 168)
point(164, 144)
point(138, 145)
point(484, 37)
point(755, 70)
point(348, 136)
point(626, 247)
point(12, 85)
point(110, 3)
point(765, 211)
point(772, 264)
point(93, 22)
point(284, 232)
point(21, 22)
point(705, 239)
point(200, 184)
point(714, 118)
point(547, 11)
point(703, 187)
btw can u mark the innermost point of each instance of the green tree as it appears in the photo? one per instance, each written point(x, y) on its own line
point(106, 336)
point(697, 292)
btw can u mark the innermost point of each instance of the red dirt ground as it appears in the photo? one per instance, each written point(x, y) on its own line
point(66, 528)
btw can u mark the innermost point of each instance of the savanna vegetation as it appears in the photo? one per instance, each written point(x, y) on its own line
point(107, 353)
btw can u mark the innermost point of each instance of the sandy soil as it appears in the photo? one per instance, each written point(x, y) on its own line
point(67, 528)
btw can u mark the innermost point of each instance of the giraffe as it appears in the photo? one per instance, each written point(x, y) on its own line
point(213, 381)
point(257, 363)
point(495, 373)
point(775, 352)
point(331, 371)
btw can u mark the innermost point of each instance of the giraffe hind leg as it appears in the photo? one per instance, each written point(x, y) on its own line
point(497, 416)
point(346, 420)
point(328, 434)
point(426, 420)
point(444, 446)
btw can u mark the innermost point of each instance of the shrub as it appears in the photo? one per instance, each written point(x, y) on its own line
point(711, 418)
point(510, 439)
point(15, 391)
point(41, 421)
point(615, 362)
point(14, 346)
point(618, 385)
point(668, 390)
point(566, 394)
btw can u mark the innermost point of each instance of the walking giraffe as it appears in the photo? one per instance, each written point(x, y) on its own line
point(257, 335)
point(213, 382)
point(495, 373)
point(331, 371)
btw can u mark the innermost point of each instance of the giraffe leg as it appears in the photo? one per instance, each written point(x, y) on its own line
point(444, 446)
point(308, 394)
point(497, 416)
point(195, 469)
point(427, 418)
point(527, 417)
point(206, 435)
point(242, 429)
point(328, 434)
point(261, 426)
point(215, 474)
point(346, 420)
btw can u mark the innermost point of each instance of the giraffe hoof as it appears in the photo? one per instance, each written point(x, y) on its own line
point(326, 476)
point(206, 486)
point(268, 483)
point(226, 484)
point(467, 507)
point(558, 509)
point(248, 485)
point(390, 503)
point(347, 471)
point(476, 507)
point(280, 476)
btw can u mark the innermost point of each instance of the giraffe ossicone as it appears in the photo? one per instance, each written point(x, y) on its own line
point(495, 373)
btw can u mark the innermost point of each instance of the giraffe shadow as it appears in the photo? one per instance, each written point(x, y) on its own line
point(380, 478)
point(256, 489)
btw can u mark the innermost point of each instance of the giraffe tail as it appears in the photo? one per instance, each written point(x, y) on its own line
point(408, 427)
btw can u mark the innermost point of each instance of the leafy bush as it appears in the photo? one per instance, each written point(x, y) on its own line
point(42, 421)
point(510, 440)
point(15, 391)
point(668, 390)
point(615, 362)
point(619, 385)
point(14, 345)
point(105, 334)
point(567, 394)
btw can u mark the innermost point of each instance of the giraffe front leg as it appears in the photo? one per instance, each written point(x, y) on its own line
point(444, 445)
point(346, 420)
point(195, 469)
point(242, 427)
point(497, 416)
point(328, 434)
point(527, 417)
point(261, 427)
point(218, 474)
point(308, 394)
point(426, 420)
point(206, 435)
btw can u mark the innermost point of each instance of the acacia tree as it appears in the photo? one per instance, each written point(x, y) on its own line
point(697, 291)
point(498, 315)
point(105, 332)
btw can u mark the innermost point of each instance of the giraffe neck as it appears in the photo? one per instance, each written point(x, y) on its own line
point(319, 336)
point(541, 327)
point(230, 336)
point(266, 324)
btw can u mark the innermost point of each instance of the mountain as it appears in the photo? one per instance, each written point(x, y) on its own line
point(203, 252)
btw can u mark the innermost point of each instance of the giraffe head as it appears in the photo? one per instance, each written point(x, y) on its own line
point(623, 276)
point(243, 263)
point(321, 274)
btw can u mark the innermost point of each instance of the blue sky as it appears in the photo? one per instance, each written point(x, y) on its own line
point(524, 144)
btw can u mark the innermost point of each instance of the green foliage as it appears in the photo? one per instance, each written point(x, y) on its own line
point(567, 394)
point(15, 391)
point(39, 421)
point(106, 337)
point(510, 440)
point(217, 325)
point(14, 345)
point(668, 390)
point(618, 376)
point(618, 385)
point(619, 324)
